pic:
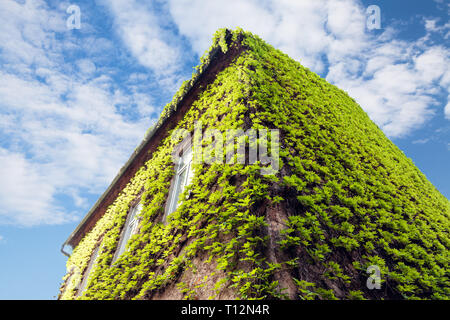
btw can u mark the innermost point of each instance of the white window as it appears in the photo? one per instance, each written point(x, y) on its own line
point(91, 264)
point(183, 176)
point(129, 229)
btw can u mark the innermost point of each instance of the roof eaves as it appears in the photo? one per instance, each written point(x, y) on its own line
point(166, 114)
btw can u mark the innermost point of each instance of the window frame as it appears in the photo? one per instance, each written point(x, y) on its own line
point(171, 203)
point(85, 277)
point(132, 218)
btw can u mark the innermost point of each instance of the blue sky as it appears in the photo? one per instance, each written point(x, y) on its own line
point(74, 103)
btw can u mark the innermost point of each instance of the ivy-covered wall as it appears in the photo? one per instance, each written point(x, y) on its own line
point(347, 196)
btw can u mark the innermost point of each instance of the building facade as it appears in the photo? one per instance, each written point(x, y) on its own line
point(262, 180)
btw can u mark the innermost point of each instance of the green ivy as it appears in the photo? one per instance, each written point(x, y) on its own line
point(352, 199)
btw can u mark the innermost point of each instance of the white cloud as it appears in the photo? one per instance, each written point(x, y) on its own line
point(68, 127)
point(421, 141)
point(84, 133)
point(77, 143)
point(139, 28)
point(447, 109)
point(393, 80)
point(26, 196)
point(435, 26)
point(430, 25)
point(198, 20)
point(433, 63)
point(86, 66)
point(63, 134)
point(28, 31)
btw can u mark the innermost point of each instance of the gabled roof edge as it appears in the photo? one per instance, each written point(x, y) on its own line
point(221, 42)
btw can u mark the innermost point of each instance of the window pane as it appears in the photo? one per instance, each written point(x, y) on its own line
point(88, 271)
point(186, 157)
point(179, 185)
point(183, 177)
point(123, 242)
point(129, 229)
point(190, 173)
point(133, 215)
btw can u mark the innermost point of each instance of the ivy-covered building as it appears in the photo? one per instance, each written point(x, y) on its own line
point(342, 213)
